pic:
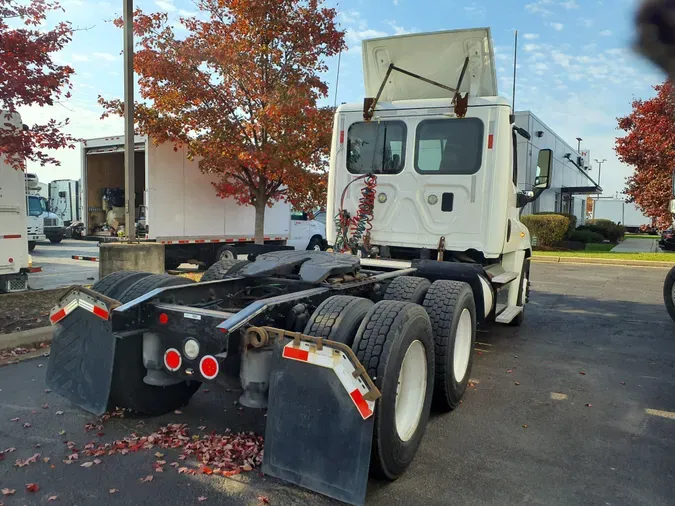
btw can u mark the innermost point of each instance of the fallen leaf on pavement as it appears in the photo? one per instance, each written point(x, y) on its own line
point(202, 498)
point(45, 406)
point(159, 455)
point(97, 461)
point(59, 413)
point(52, 497)
point(202, 427)
point(10, 450)
point(517, 383)
point(62, 432)
point(47, 390)
point(207, 470)
point(524, 426)
point(86, 464)
point(582, 373)
point(32, 487)
point(178, 412)
point(8, 491)
point(15, 419)
point(623, 382)
point(509, 371)
point(46, 460)
point(182, 470)
point(26, 425)
point(589, 405)
point(113, 491)
point(147, 478)
point(263, 499)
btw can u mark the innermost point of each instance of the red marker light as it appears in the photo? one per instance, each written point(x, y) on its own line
point(172, 359)
point(163, 318)
point(11, 260)
point(209, 367)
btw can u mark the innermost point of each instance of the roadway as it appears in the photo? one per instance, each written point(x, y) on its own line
point(575, 407)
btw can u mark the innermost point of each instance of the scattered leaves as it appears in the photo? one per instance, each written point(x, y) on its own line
point(509, 371)
point(524, 426)
point(517, 383)
point(32, 487)
point(47, 390)
point(582, 373)
point(202, 498)
point(623, 382)
point(62, 432)
point(58, 413)
point(159, 455)
point(589, 405)
point(8, 491)
point(86, 464)
point(147, 478)
point(27, 425)
point(52, 497)
point(113, 491)
point(178, 412)
point(15, 419)
point(263, 499)
point(45, 406)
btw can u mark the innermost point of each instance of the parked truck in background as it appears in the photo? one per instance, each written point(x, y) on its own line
point(620, 211)
point(14, 257)
point(35, 208)
point(38, 206)
point(348, 358)
point(64, 200)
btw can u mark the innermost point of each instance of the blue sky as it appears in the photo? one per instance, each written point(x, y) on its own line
point(576, 70)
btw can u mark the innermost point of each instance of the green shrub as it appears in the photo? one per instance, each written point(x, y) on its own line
point(549, 229)
point(587, 236)
point(572, 219)
point(610, 230)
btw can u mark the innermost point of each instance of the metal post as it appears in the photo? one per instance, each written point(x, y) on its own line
point(129, 172)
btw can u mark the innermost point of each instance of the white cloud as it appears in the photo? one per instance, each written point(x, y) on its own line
point(606, 33)
point(187, 14)
point(538, 7)
point(531, 36)
point(395, 2)
point(105, 56)
point(570, 4)
point(167, 5)
point(586, 22)
point(531, 47)
point(399, 30)
point(557, 26)
point(80, 57)
point(474, 9)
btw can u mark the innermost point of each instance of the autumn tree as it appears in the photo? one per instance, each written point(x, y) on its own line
point(29, 76)
point(649, 147)
point(240, 90)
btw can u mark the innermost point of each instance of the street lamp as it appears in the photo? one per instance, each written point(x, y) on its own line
point(579, 139)
point(600, 162)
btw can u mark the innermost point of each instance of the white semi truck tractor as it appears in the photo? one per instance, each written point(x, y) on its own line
point(348, 358)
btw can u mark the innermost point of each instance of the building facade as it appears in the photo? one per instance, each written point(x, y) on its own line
point(570, 185)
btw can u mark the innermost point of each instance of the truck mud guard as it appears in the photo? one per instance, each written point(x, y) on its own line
point(320, 417)
point(83, 349)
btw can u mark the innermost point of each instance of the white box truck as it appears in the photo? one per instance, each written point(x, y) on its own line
point(620, 211)
point(64, 200)
point(176, 204)
point(14, 258)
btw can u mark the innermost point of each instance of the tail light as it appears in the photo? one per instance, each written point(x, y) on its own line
point(208, 367)
point(172, 359)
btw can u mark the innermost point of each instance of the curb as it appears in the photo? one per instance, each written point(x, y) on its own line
point(26, 338)
point(600, 261)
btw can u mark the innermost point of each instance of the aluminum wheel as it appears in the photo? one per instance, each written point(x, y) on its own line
point(410, 391)
point(317, 247)
point(227, 255)
point(462, 346)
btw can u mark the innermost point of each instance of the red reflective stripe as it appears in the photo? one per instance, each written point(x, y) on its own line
point(229, 240)
point(183, 242)
point(342, 136)
point(243, 239)
point(296, 353)
point(12, 236)
point(101, 313)
point(215, 240)
point(59, 315)
point(267, 238)
point(199, 241)
point(361, 403)
point(491, 139)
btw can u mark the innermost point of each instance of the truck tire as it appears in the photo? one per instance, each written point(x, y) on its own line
point(55, 240)
point(115, 284)
point(452, 310)
point(128, 389)
point(523, 294)
point(226, 253)
point(395, 345)
point(223, 268)
point(338, 318)
point(316, 244)
point(407, 289)
point(31, 245)
point(669, 293)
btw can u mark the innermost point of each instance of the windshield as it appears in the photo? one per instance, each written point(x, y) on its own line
point(36, 206)
point(376, 147)
point(449, 146)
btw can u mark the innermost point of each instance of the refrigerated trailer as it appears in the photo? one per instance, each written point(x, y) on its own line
point(176, 204)
point(64, 200)
point(347, 357)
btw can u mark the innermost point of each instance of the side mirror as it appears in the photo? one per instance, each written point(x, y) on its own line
point(523, 133)
point(544, 164)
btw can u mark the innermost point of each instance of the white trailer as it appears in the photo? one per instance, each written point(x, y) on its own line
point(176, 204)
point(620, 211)
point(14, 258)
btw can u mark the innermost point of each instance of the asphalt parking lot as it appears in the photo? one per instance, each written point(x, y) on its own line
point(58, 267)
point(575, 407)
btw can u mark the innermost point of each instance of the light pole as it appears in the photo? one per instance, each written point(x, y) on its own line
point(579, 139)
point(129, 186)
point(600, 162)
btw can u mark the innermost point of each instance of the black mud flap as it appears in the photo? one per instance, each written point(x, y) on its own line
point(81, 360)
point(316, 437)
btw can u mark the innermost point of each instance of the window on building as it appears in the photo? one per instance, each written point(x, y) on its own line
point(449, 146)
point(377, 147)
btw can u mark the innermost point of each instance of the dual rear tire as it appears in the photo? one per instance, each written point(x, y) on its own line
point(417, 346)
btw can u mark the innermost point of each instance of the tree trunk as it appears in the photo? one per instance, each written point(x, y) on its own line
point(260, 204)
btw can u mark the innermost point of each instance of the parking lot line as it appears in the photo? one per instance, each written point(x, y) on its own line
point(662, 414)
